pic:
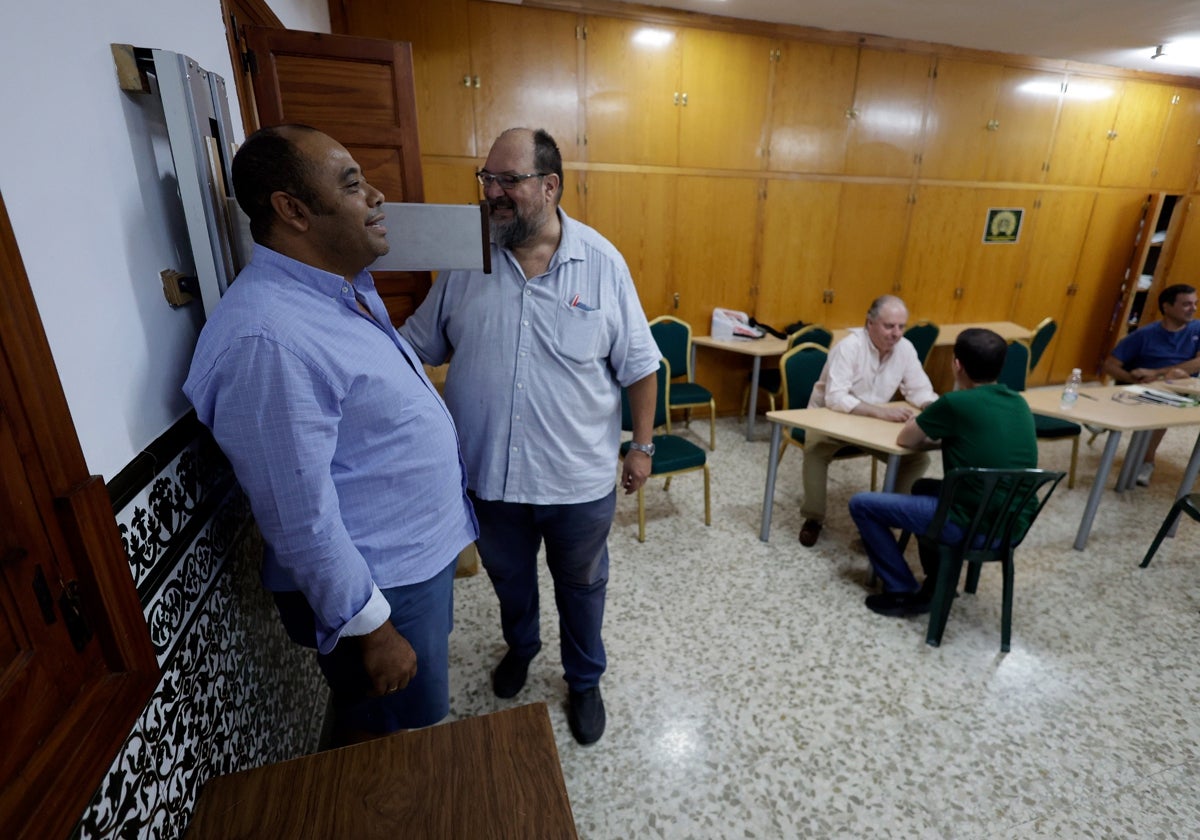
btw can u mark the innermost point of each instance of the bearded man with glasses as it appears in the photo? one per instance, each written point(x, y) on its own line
point(539, 353)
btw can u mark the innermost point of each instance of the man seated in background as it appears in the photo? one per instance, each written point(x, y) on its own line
point(981, 424)
point(861, 375)
point(1166, 349)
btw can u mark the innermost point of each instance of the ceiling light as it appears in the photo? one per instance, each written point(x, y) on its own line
point(653, 37)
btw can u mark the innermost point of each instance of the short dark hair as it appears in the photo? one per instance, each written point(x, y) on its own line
point(981, 353)
point(1167, 296)
point(268, 162)
point(547, 158)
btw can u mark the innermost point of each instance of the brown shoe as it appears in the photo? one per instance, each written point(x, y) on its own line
point(809, 531)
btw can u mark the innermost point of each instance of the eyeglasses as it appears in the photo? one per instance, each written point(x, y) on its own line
point(506, 182)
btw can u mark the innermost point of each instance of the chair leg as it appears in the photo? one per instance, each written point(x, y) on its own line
point(1074, 460)
point(641, 514)
point(1173, 515)
point(972, 582)
point(949, 569)
point(1006, 610)
point(667, 484)
point(745, 401)
point(874, 473)
point(712, 425)
point(707, 498)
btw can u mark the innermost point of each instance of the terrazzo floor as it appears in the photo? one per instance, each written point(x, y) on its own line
point(750, 694)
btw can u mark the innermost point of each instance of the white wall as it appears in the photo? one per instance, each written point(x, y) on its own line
point(87, 180)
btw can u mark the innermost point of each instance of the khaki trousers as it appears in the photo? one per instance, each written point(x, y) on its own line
point(818, 453)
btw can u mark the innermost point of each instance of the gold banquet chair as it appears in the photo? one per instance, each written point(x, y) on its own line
point(672, 453)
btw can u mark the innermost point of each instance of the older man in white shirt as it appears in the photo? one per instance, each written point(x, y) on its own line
point(861, 376)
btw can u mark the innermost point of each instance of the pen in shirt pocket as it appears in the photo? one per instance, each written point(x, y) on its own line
point(575, 304)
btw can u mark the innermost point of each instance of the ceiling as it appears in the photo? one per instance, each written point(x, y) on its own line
point(1119, 33)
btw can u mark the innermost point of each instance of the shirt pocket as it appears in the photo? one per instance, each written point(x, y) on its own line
point(576, 332)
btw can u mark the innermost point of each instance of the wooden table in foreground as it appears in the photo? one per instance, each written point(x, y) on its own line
point(757, 348)
point(493, 776)
point(1096, 407)
point(867, 432)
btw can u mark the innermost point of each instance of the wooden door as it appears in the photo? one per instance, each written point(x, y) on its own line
point(1137, 135)
point(800, 221)
point(957, 137)
point(360, 92)
point(725, 79)
point(528, 65)
point(993, 270)
point(890, 93)
point(1027, 103)
point(1180, 152)
point(632, 80)
point(441, 63)
point(1089, 108)
point(868, 250)
point(942, 234)
point(636, 213)
point(76, 663)
point(812, 97)
point(1185, 265)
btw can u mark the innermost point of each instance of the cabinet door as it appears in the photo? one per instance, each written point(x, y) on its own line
point(534, 87)
point(441, 64)
point(943, 232)
point(797, 251)
point(956, 125)
point(812, 95)
point(725, 80)
point(636, 212)
point(450, 183)
point(1089, 108)
point(993, 270)
point(1177, 159)
point(1185, 265)
point(889, 106)
point(632, 78)
point(1026, 108)
point(714, 244)
point(1137, 135)
point(868, 249)
point(1107, 248)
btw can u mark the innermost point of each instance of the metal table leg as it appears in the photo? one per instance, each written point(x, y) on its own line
point(752, 407)
point(769, 492)
point(1093, 502)
point(889, 475)
point(1189, 479)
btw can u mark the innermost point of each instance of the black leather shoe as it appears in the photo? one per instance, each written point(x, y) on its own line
point(509, 676)
point(585, 715)
point(898, 604)
point(809, 531)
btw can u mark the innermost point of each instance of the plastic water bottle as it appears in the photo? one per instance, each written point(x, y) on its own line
point(1070, 392)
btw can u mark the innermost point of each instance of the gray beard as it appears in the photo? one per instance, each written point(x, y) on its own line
point(514, 233)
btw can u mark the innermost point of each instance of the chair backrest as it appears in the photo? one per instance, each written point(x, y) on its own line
point(1006, 502)
point(811, 334)
point(801, 368)
point(922, 335)
point(1016, 366)
point(674, 340)
point(1042, 334)
point(660, 401)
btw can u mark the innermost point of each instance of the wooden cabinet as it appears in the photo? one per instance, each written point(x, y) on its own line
point(868, 249)
point(1180, 151)
point(1185, 265)
point(1089, 108)
point(886, 118)
point(1136, 135)
point(989, 122)
point(812, 101)
point(795, 273)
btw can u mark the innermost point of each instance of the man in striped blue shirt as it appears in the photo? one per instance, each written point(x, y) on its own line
point(348, 455)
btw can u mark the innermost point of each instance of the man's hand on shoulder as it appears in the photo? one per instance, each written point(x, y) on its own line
point(388, 658)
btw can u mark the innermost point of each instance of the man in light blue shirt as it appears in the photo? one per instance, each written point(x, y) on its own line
point(348, 456)
point(539, 353)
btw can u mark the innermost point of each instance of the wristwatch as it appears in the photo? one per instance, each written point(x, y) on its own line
point(648, 448)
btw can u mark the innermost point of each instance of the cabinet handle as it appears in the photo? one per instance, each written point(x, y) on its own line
point(1112, 135)
point(676, 97)
point(475, 82)
point(851, 113)
point(993, 125)
point(958, 293)
point(685, 100)
point(466, 81)
point(675, 297)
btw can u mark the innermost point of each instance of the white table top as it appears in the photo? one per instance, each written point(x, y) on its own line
point(1097, 407)
point(868, 432)
point(768, 345)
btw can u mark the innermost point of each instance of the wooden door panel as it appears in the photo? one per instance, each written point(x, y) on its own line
point(1141, 120)
point(632, 78)
point(360, 92)
point(890, 93)
point(1180, 153)
point(1089, 108)
point(993, 270)
point(797, 251)
point(943, 232)
point(636, 213)
point(868, 249)
point(812, 96)
point(450, 183)
point(1185, 264)
point(1027, 105)
point(957, 138)
point(726, 78)
point(534, 88)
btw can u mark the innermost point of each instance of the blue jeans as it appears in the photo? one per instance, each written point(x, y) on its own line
point(876, 514)
point(576, 538)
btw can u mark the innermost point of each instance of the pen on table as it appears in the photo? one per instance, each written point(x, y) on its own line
point(1086, 396)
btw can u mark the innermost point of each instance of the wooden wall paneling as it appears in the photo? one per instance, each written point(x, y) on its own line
point(1027, 105)
point(1179, 156)
point(1089, 109)
point(993, 270)
point(1107, 248)
point(573, 200)
point(1185, 265)
point(636, 213)
point(450, 183)
point(942, 233)
point(890, 93)
point(813, 96)
point(726, 80)
point(868, 248)
point(800, 221)
point(632, 79)
point(441, 64)
point(961, 104)
point(1138, 129)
